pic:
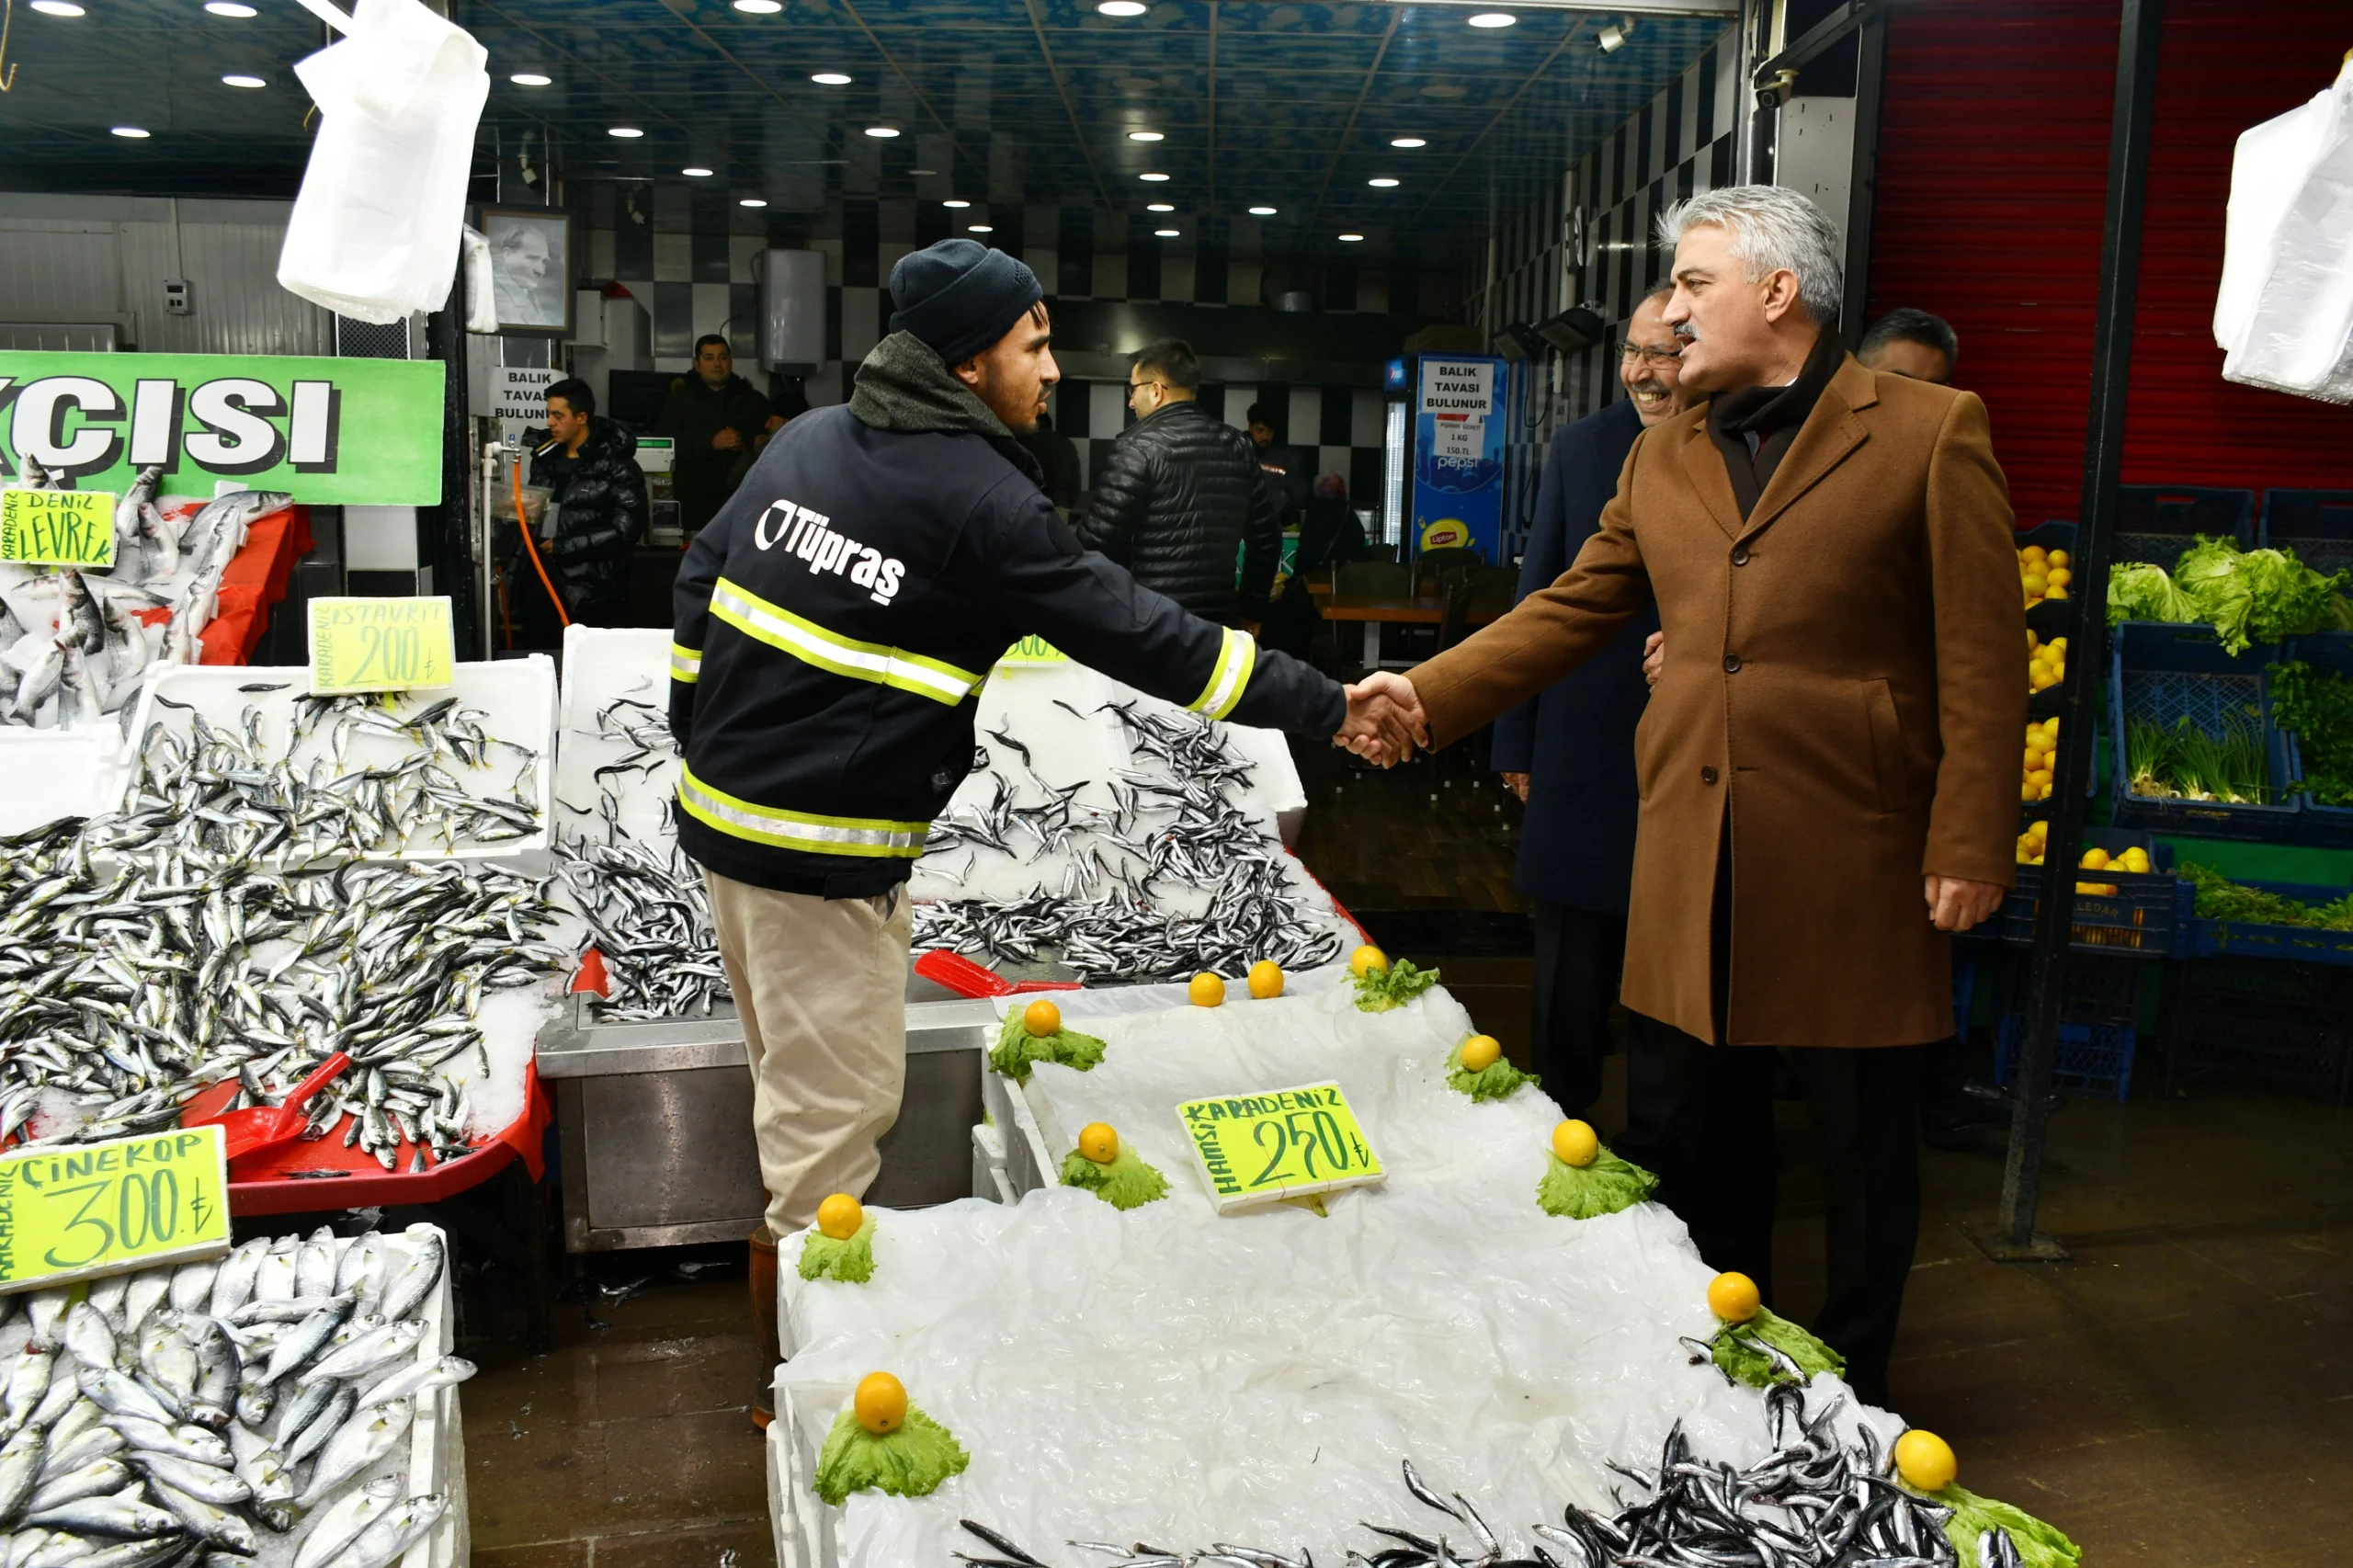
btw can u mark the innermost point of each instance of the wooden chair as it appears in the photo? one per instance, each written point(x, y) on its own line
point(1433, 566)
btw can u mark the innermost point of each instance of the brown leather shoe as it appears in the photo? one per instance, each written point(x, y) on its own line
point(764, 1322)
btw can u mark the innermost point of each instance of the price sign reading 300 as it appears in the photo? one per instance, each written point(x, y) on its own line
point(98, 1209)
point(381, 645)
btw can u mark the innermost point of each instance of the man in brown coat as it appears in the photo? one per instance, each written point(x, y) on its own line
point(1828, 764)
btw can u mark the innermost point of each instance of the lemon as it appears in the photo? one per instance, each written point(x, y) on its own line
point(1265, 978)
point(1479, 1052)
point(1367, 959)
point(1733, 1297)
point(840, 1216)
point(1925, 1461)
point(1576, 1142)
point(2135, 860)
point(2095, 860)
point(1206, 991)
point(880, 1402)
point(1041, 1018)
point(1098, 1143)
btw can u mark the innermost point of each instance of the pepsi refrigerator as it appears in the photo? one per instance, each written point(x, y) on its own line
point(1448, 420)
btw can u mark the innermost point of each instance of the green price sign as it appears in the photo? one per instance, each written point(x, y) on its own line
point(57, 527)
point(1257, 1148)
point(1033, 650)
point(382, 645)
point(99, 1209)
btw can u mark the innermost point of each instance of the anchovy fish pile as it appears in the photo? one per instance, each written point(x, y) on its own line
point(646, 907)
point(1813, 1502)
point(174, 1413)
point(1104, 919)
point(71, 646)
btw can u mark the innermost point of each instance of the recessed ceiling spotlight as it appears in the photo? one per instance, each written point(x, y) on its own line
point(529, 79)
point(1382, 182)
point(1408, 142)
point(1160, 207)
point(1613, 38)
point(1350, 239)
point(882, 133)
point(626, 133)
point(63, 8)
point(1165, 234)
point(1122, 7)
point(760, 7)
point(131, 133)
point(242, 82)
point(230, 9)
point(696, 172)
point(1262, 211)
point(923, 171)
point(980, 229)
point(831, 79)
point(751, 202)
point(1154, 179)
point(952, 201)
point(1146, 136)
point(1494, 19)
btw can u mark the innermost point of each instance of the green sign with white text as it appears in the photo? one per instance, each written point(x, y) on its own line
point(333, 432)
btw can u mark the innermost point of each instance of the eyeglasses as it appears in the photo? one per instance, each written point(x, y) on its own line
point(1135, 387)
point(1649, 356)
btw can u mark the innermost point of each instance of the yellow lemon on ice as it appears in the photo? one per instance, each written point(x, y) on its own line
point(1098, 1143)
point(1041, 1018)
point(1733, 1297)
point(1265, 978)
point(880, 1402)
point(1479, 1052)
point(1574, 1143)
point(840, 1216)
point(1925, 1461)
point(1206, 991)
point(1367, 959)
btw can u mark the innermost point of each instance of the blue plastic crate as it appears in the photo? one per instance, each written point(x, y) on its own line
point(2246, 939)
point(2327, 827)
point(2144, 917)
point(2166, 673)
point(2316, 524)
point(2158, 522)
point(2094, 1059)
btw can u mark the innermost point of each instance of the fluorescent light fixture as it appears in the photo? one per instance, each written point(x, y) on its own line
point(1146, 136)
point(242, 82)
point(831, 79)
point(760, 7)
point(1160, 207)
point(696, 172)
point(62, 8)
point(980, 229)
point(1165, 234)
point(1382, 182)
point(882, 133)
point(1407, 142)
point(1613, 38)
point(626, 133)
point(1122, 7)
point(1153, 179)
point(1495, 20)
point(1262, 211)
point(751, 202)
point(952, 201)
point(230, 9)
point(131, 133)
point(1350, 239)
point(529, 79)
point(915, 171)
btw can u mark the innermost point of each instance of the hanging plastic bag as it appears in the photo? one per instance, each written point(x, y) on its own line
point(374, 235)
point(2284, 311)
point(482, 291)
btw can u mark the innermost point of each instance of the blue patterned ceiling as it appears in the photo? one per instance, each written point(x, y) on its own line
point(1003, 101)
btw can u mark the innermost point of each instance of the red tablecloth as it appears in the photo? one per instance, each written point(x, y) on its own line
point(252, 581)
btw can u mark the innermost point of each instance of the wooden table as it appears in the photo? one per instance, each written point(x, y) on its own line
point(1375, 611)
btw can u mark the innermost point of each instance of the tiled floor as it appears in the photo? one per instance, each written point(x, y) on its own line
point(2179, 1392)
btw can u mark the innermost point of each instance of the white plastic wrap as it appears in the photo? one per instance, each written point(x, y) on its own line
point(1170, 1375)
point(374, 232)
point(2284, 310)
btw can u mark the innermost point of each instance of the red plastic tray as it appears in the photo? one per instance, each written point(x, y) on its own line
point(258, 1183)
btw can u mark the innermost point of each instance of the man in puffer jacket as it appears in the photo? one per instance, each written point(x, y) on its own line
point(589, 465)
point(1181, 497)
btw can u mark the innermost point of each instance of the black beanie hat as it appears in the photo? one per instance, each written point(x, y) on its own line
point(960, 296)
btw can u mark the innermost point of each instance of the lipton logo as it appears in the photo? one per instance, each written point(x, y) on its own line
point(1447, 533)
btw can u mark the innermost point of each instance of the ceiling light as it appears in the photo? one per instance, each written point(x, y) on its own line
point(64, 9)
point(751, 202)
point(1122, 7)
point(923, 171)
point(1155, 180)
point(980, 229)
point(1165, 234)
point(1407, 142)
point(131, 133)
point(1146, 136)
point(230, 8)
point(696, 172)
point(1262, 211)
point(760, 7)
point(1160, 207)
point(1494, 19)
point(830, 79)
point(626, 133)
point(1382, 182)
point(1351, 239)
point(951, 202)
point(882, 133)
point(242, 82)
point(529, 79)
point(1613, 37)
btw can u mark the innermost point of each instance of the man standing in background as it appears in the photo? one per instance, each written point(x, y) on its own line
point(1907, 342)
point(714, 416)
point(1280, 463)
point(1181, 497)
point(597, 498)
point(1570, 755)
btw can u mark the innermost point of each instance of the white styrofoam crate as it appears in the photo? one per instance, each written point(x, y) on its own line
point(601, 664)
point(515, 698)
point(784, 1521)
point(59, 773)
point(804, 1425)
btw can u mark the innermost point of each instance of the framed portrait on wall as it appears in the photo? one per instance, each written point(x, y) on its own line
point(531, 267)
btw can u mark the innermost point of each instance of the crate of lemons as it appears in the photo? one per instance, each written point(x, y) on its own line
point(2044, 573)
point(2041, 761)
point(2133, 859)
point(2046, 662)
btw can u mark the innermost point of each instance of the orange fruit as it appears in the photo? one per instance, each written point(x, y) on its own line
point(1265, 978)
point(1098, 1143)
point(880, 1402)
point(1041, 1018)
point(1480, 1051)
point(1733, 1297)
point(1367, 959)
point(1925, 1461)
point(840, 1216)
point(1207, 990)
point(1574, 1143)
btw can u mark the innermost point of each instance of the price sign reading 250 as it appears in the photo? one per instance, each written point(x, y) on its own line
point(1259, 1146)
point(380, 644)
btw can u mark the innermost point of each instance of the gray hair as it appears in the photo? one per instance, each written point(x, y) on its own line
point(1772, 227)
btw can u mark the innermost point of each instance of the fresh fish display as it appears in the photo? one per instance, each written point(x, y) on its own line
point(98, 1466)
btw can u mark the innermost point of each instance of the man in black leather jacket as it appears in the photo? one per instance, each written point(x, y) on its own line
point(1181, 497)
point(590, 464)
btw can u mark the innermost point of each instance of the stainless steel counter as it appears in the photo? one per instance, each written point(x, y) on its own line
point(656, 1122)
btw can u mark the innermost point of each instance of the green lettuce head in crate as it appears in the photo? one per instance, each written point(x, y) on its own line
point(841, 1246)
point(881, 1443)
point(1035, 1033)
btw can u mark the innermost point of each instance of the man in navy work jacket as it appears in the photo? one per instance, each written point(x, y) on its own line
point(1570, 755)
point(834, 623)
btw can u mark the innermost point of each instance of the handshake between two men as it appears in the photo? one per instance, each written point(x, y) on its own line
point(1385, 721)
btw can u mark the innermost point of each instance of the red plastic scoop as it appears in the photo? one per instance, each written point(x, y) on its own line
point(965, 978)
point(260, 1127)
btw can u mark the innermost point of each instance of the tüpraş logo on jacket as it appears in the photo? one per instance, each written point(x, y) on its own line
point(813, 536)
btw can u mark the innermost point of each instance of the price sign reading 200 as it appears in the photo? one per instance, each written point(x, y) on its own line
point(380, 644)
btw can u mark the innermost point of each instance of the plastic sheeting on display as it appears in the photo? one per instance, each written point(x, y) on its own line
point(1166, 1375)
point(2284, 311)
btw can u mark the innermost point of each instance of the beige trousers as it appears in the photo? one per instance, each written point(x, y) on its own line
point(821, 985)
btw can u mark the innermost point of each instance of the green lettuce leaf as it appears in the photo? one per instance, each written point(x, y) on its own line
point(2207, 574)
point(1379, 990)
point(1497, 1081)
point(2040, 1545)
point(851, 1260)
point(1588, 1192)
point(1736, 1353)
point(909, 1463)
point(1126, 1183)
point(2288, 598)
point(1017, 1048)
point(2140, 590)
